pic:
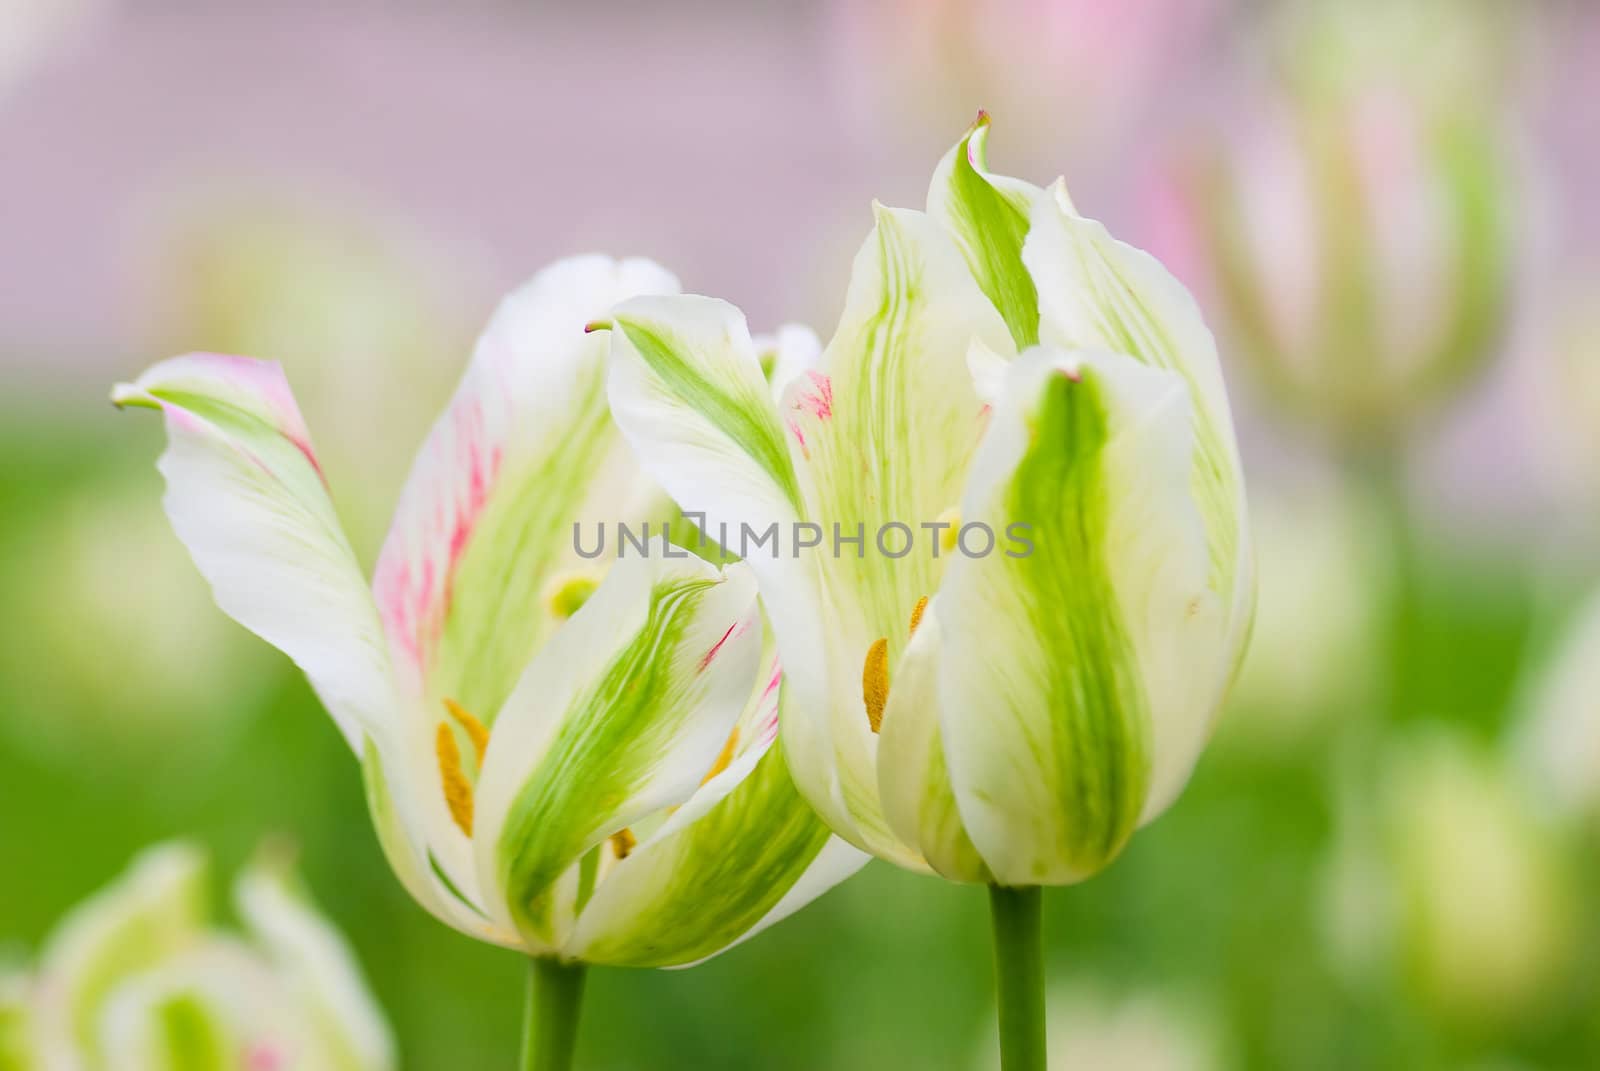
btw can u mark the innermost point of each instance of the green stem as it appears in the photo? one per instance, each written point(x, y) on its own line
point(1019, 977)
point(550, 1030)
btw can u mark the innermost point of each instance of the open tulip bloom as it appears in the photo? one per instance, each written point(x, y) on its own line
point(560, 758)
point(1002, 709)
point(137, 979)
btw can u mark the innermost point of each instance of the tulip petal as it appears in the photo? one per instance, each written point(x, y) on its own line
point(246, 497)
point(316, 962)
point(524, 450)
point(617, 717)
point(1096, 293)
point(988, 216)
point(175, 1026)
point(723, 866)
point(912, 774)
point(1072, 694)
point(19, 1048)
point(687, 389)
point(718, 866)
point(886, 430)
point(158, 907)
point(214, 1006)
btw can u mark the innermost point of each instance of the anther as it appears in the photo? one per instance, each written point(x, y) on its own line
point(724, 759)
point(457, 789)
point(916, 613)
point(476, 731)
point(875, 682)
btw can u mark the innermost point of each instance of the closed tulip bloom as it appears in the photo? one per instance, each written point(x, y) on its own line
point(1007, 698)
point(560, 757)
point(1450, 879)
point(1558, 736)
point(1002, 717)
point(1355, 232)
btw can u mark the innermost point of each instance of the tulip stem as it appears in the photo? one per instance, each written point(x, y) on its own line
point(1019, 976)
point(550, 1029)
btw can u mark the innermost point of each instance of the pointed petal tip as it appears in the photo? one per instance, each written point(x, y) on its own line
point(124, 395)
point(596, 325)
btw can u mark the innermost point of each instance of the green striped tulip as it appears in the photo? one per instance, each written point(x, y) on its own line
point(136, 979)
point(564, 756)
point(1012, 716)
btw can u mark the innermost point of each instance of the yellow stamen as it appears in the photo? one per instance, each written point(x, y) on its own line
point(725, 758)
point(916, 613)
point(476, 731)
point(623, 842)
point(875, 682)
point(949, 535)
point(457, 789)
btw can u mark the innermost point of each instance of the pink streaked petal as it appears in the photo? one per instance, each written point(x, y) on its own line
point(258, 388)
point(534, 378)
point(818, 400)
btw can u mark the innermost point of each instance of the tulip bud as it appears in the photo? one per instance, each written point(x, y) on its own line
point(1452, 882)
point(1006, 712)
point(1354, 232)
point(1063, 70)
point(1559, 742)
point(1138, 1031)
point(1325, 571)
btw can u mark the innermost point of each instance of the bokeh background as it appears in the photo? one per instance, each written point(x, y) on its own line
point(1391, 855)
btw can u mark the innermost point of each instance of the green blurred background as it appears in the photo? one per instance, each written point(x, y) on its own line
point(1391, 854)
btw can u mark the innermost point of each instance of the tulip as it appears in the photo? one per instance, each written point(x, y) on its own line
point(135, 978)
point(1007, 701)
point(567, 759)
point(1450, 881)
point(1074, 73)
point(1144, 1030)
point(1325, 570)
point(1558, 742)
point(16, 1025)
point(1354, 234)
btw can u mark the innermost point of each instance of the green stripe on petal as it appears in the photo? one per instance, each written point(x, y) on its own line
point(18, 1047)
point(1062, 664)
point(988, 216)
point(247, 500)
point(886, 429)
point(170, 1031)
point(717, 868)
point(155, 910)
point(619, 716)
point(1096, 293)
point(245, 496)
point(688, 390)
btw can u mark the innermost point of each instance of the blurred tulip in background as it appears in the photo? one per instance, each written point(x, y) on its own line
point(138, 978)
